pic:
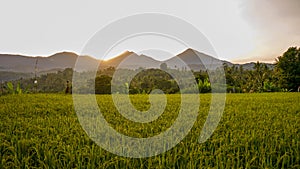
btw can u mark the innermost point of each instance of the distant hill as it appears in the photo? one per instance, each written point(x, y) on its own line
point(188, 59)
point(26, 64)
point(131, 60)
point(17, 66)
point(192, 59)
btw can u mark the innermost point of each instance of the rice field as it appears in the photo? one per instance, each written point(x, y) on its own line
point(258, 130)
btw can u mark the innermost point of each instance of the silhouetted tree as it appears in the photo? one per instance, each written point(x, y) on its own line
point(103, 84)
point(288, 67)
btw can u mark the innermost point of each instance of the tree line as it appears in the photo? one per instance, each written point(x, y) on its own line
point(284, 77)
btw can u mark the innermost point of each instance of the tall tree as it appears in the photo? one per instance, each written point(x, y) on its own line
point(103, 84)
point(288, 67)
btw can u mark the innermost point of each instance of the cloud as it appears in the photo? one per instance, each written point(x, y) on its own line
point(267, 14)
point(276, 25)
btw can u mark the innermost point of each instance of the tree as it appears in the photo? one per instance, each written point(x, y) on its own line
point(256, 79)
point(103, 84)
point(288, 69)
point(204, 86)
point(261, 73)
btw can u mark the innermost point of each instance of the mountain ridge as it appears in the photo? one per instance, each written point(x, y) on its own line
point(189, 58)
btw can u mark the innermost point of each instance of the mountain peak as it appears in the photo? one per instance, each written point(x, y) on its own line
point(64, 53)
point(187, 52)
point(121, 56)
point(189, 49)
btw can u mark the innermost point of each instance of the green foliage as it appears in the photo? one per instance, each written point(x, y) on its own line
point(103, 84)
point(258, 130)
point(288, 67)
point(204, 86)
point(270, 87)
point(48, 83)
point(18, 89)
point(12, 90)
point(148, 80)
point(260, 79)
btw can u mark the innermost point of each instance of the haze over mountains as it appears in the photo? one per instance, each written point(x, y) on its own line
point(19, 63)
point(188, 59)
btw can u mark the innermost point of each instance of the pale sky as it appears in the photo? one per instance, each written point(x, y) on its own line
point(239, 30)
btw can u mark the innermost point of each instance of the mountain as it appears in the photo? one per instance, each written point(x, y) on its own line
point(26, 64)
point(16, 66)
point(188, 59)
point(192, 59)
point(130, 60)
point(16, 63)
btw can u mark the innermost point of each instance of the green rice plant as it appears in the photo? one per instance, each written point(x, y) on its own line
point(258, 130)
point(11, 89)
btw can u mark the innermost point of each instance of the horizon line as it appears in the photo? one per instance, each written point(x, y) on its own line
point(118, 55)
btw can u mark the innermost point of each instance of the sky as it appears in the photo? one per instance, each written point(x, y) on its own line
point(239, 30)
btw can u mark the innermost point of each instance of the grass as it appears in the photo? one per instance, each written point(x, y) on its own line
point(256, 131)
